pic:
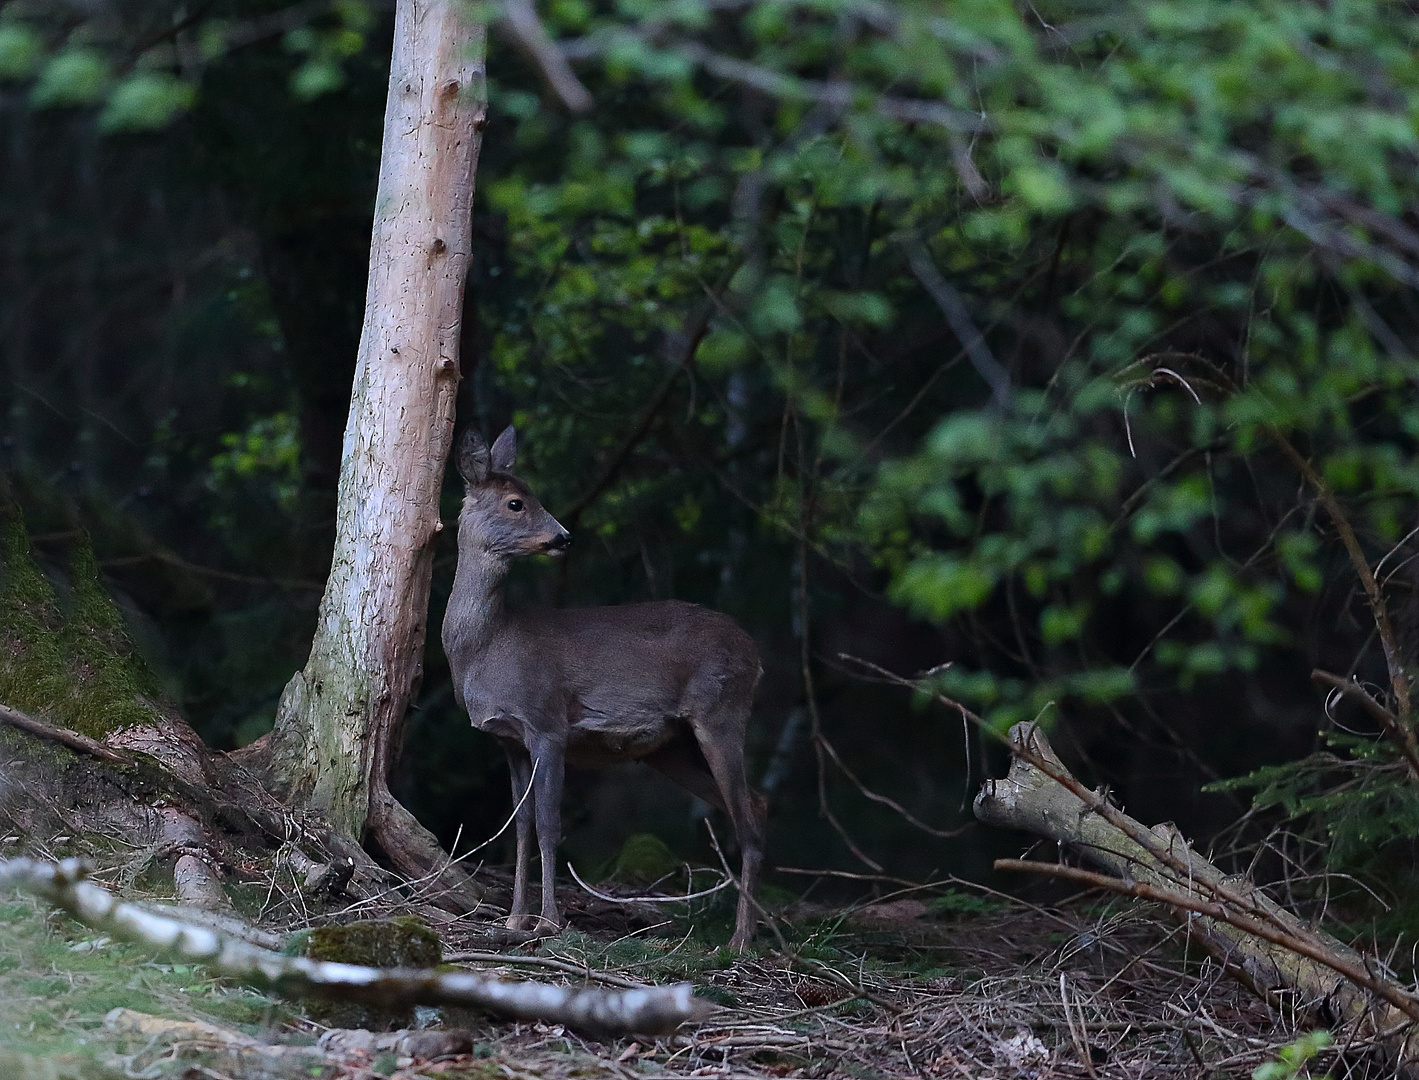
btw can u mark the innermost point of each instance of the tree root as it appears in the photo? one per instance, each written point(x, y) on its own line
point(415, 853)
point(1267, 947)
point(650, 1010)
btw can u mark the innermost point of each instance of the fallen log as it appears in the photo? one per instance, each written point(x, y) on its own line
point(652, 1010)
point(1269, 948)
point(335, 1045)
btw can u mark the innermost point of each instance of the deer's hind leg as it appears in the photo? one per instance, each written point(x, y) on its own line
point(681, 761)
point(520, 764)
point(720, 733)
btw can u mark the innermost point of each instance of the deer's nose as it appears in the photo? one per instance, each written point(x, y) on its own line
point(562, 540)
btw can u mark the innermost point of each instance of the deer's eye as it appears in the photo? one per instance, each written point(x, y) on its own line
point(515, 505)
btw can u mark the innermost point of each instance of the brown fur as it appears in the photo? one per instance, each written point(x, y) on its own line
point(667, 683)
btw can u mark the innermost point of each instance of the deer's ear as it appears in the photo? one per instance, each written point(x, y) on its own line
point(472, 457)
point(504, 450)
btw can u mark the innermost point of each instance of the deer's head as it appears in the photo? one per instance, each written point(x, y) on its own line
point(500, 515)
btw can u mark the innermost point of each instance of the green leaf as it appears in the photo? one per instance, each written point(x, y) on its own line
point(145, 101)
point(939, 585)
point(723, 350)
point(775, 310)
point(76, 76)
point(20, 51)
point(1060, 624)
point(316, 77)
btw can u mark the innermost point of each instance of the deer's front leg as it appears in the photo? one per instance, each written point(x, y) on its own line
point(520, 764)
point(549, 759)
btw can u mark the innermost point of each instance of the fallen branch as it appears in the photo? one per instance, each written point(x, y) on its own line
point(651, 1010)
point(1252, 936)
point(334, 1045)
point(72, 739)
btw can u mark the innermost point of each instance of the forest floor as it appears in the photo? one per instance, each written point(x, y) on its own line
point(939, 982)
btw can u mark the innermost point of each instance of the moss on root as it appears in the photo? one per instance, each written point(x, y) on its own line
point(402, 942)
point(644, 858)
point(385, 943)
point(68, 660)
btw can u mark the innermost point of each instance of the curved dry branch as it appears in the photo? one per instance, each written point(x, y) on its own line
point(650, 1010)
point(1389, 641)
point(1267, 946)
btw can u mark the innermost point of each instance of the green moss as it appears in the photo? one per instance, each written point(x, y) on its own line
point(644, 858)
point(71, 661)
point(68, 1067)
point(58, 979)
point(655, 959)
point(402, 942)
point(956, 904)
point(473, 1070)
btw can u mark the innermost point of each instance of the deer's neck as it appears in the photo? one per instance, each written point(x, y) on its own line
point(475, 606)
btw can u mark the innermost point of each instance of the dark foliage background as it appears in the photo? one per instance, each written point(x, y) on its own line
point(999, 336)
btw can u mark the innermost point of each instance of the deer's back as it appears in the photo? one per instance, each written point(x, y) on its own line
point(657, 646)
point(619, 678)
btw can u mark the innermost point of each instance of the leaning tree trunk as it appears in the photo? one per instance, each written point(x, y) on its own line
point(337, 728)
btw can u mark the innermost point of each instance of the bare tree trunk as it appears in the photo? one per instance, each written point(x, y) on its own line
point(338, 726)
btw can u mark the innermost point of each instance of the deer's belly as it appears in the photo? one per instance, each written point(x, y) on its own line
point(595, 739)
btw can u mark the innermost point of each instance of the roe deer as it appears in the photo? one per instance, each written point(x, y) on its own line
point(667, 683)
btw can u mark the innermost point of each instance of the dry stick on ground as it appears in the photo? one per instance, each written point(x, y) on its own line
point(1248, 932)
point(1042, 796)
point(325, 1056)
point(649, 1010)
point(1162, 849)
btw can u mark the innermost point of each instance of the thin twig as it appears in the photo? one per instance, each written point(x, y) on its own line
point(959, 319)
point(835, 94)
point(1394, 660)
point(1301, 945)
point(892, 804)
point(546, 962)
point(753, 900)
point(1392, 724)
point(647, 899)
point(638, 430)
